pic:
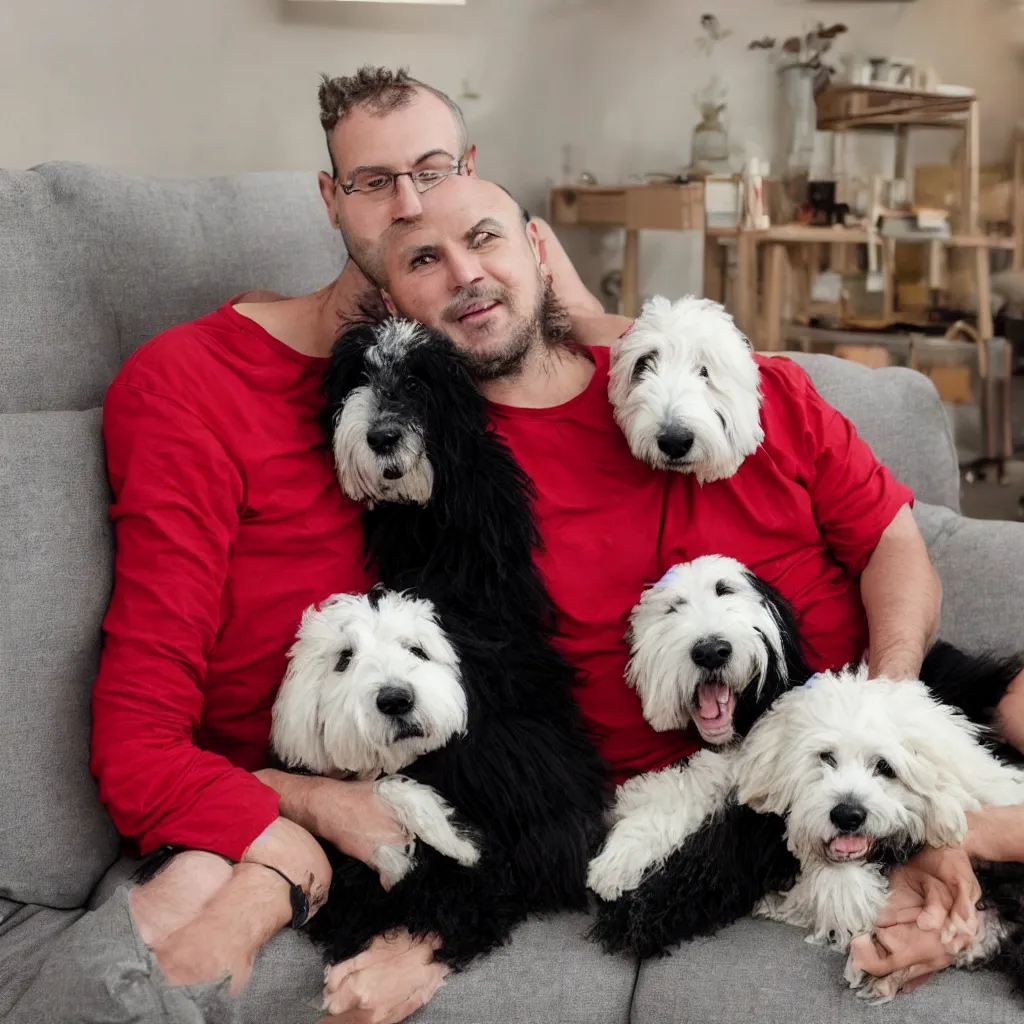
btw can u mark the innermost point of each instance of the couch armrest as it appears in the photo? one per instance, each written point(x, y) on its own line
point(981, 564)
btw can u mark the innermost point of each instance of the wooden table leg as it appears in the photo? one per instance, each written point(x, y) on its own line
point(714, 269)
point(631, 275)
point(746, 285)
point(776, 259)
point(985, 331)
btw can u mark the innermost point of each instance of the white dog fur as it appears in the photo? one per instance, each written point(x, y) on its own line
point(326, 717)
point(685, 371)
point(913, 765)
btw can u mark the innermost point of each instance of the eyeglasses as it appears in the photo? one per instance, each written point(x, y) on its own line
point(385, 183)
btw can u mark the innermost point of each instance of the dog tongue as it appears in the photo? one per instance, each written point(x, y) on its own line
point(849, 844)
point(713, 700)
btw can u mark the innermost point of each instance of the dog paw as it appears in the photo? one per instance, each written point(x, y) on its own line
point(878, 991)
point(854, 976)
point(424, 813)
point(393, 863)
point(619, 868)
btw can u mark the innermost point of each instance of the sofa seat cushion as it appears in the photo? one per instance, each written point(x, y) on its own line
point(55, 572)
point(764, 972)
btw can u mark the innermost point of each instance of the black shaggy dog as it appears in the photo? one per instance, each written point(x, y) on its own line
point(713, 643)
point(449, 520)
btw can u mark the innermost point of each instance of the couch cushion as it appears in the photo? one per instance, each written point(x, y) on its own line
point(760, 971)
point(55, 570)
point(93, 263)
point(981, 564)
point(899, 413)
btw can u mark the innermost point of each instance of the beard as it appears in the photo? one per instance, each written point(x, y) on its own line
point(547, 325)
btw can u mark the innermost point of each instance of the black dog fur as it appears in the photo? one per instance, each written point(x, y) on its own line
point(525, 777)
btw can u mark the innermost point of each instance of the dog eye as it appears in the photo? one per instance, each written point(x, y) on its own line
point(883, 768)
point(642, 365)
point(344, 660)
point(723, 589)
point(704, 372)
point(418, 652)
point(827, 757)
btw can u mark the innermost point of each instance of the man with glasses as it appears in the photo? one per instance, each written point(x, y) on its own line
point(228, 523)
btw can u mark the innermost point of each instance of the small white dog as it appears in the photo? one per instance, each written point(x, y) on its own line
point(686, 389)
point(865, 771)
point(712, 644)
point(372, 684)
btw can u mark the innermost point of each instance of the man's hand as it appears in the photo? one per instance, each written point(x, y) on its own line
point(930, 917)
point(386, 983)
point(347, 814)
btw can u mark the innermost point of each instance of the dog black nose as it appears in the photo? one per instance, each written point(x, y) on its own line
point(847, 817)
point(711, 652)
point(383, 439)
point(675, 442)
point(394, 700)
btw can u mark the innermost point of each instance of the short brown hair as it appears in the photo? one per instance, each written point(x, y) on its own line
point(381, 91)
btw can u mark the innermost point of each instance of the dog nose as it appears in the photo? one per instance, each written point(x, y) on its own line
point(382, 439)
point(394, 700)
point(675, 442)
point(847, 817)
point(711, 652)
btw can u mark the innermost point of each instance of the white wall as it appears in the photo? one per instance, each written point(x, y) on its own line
point(210, 86)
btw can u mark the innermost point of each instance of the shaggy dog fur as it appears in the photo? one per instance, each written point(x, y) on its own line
point(714, 644)
point(683, 858)
point(865, 772)
point(686, 389)
point(451, 523)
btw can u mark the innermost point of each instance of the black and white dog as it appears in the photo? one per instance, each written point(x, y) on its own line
point(685, 389)
point(714, 644)
point(453, 681)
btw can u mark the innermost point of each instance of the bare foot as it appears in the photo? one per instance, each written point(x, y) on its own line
point(177, 894)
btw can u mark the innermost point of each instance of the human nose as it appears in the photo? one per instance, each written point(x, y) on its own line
point(464, 268)
point(406, 203)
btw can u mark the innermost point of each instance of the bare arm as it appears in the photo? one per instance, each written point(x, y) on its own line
point(902, 596)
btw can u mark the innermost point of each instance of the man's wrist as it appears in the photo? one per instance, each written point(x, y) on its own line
point(296, 795)
point(896, 663)
point(266, 890)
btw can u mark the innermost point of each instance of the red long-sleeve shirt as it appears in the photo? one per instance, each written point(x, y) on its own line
point(228, 522)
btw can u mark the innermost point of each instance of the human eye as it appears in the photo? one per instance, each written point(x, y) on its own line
point(422, 259)
point(429, 175)
point(482, 238)
point(372, 181)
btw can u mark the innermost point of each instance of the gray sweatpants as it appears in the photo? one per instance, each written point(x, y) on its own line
point(98, 971)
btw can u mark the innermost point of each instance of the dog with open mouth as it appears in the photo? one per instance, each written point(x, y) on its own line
point(714, 645)
point(865, 772)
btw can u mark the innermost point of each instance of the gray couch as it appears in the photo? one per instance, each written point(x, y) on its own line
point(92, 264)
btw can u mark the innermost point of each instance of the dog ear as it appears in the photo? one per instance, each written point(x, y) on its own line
point(944, 762)
point(764, 781)
point(345, 371)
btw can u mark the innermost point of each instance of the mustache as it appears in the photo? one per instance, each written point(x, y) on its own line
point(469, 296)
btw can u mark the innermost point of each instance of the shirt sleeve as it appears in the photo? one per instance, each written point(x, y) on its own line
point(177, 497)
point(853, 495)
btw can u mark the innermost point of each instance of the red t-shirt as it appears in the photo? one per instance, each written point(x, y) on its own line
point(599, 513)
point(804, 512)
point(228, 522)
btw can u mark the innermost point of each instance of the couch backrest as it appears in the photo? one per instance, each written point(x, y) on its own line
point(92, 264)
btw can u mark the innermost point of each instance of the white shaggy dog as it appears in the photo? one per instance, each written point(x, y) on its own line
point(378, 439)
point(686, 389)
point(713, 644)
point(864, 771)
point(372, 684)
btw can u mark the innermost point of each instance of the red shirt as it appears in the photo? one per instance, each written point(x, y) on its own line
point(228, 522)
point(804, 512)
point(599, 514)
